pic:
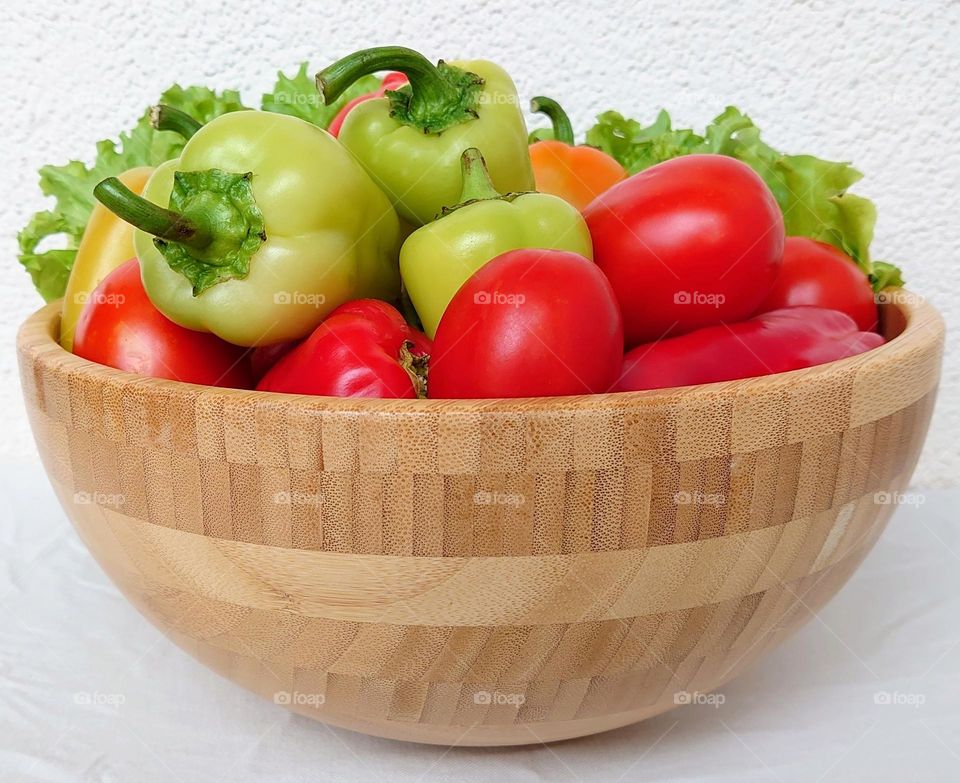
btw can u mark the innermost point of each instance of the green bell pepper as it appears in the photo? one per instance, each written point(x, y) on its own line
point(410, 141)
point(437, 259)
point(271, 225)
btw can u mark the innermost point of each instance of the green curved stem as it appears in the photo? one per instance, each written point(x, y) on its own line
point(147, 216)
point(562, 129)
point(477, 184)
point(164, 117)
point(426, 83)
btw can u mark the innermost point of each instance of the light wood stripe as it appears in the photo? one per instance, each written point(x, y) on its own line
point(478, 591)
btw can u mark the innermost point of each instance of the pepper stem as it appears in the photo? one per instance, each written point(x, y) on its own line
point(425, 79)
point(416, 367)
point(147, 216)
point(437, 97)
point(163, 117)
point(562, 129)
point(477, 185)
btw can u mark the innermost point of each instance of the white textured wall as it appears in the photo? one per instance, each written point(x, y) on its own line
point(874, 81)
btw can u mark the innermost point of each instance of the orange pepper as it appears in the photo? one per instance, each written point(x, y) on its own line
point(577, 174)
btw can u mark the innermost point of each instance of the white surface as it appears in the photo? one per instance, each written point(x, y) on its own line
point(806, 713)
point(874, 81)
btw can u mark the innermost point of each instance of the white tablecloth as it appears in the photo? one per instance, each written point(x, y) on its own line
point(868, 691)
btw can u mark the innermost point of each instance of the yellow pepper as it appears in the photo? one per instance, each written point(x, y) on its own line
point(107, 242)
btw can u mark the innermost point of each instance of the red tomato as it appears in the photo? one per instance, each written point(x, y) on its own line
point(690, 242)
point(120, 327)
point(529, 323)
point(815, 273)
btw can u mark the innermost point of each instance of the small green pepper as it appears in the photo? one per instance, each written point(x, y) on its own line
point(270, 225)
point(437, 259)
point(410, 141)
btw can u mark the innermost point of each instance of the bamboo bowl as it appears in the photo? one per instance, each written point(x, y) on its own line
point(491, 572)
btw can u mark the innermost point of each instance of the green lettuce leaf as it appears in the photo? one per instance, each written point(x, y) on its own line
point(638, 147)
point(71, 185)
point(202, 103)
point(298, 96)
point(50, 269)
point(812, 193)
point(885, 275)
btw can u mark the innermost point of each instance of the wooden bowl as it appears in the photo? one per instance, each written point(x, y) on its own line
point(490, 572)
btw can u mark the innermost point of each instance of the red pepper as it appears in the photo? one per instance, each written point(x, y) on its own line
point(778, 341)
point(391, 81)
point(363, 349)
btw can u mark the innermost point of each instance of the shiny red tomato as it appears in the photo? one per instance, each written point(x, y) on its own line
point(529, 323)
point(690, 242)
point(120, 327)
point(815, 273)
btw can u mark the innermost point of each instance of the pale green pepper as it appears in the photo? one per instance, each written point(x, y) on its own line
point(437, 259)
point(271, 225)
point(410, 141)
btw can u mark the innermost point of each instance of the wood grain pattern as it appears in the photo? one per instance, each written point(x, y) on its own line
point(483, 572)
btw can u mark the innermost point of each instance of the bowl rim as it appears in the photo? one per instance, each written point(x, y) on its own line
point(922, 327)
